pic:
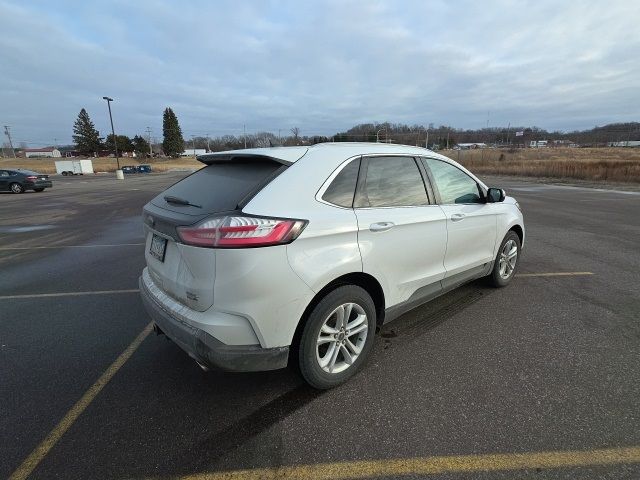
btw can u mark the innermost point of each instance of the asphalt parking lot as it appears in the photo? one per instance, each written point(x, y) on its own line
point(537, 380)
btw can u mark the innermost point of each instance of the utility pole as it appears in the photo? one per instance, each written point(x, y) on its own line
point(8, 134)
point(447, 139)
point(149, 137)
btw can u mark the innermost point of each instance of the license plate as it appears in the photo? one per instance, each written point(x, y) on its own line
point(158, 247)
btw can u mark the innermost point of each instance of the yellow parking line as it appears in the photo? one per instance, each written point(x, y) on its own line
point(554, 274)
point(432, 465)
point(41, 451)
point(71, 246)
point(68, 294)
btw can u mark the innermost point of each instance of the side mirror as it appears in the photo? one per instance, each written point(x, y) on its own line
point(495, 195)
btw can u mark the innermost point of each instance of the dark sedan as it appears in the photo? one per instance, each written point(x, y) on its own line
point(17, 181)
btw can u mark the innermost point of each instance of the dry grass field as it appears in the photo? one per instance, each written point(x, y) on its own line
point(102, 164)
point(590, 164)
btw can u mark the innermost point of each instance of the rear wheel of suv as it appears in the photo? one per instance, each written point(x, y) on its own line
point(338, 337)
point(16, 188)
point(504, 267)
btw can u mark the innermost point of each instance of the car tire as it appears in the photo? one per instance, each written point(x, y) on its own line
point(16, 188)
point(506, 262)
point(38, 189)
point(329, 351)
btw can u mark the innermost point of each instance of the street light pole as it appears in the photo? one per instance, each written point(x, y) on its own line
point(113, 132)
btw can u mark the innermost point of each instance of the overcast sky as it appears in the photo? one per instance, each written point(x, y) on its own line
point(321, 66)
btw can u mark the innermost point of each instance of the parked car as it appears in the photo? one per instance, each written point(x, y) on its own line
point(17, 181)
point(129, 169)
point(270, 254)
point(143, 168)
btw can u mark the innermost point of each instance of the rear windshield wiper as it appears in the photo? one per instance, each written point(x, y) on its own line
point(180, 201)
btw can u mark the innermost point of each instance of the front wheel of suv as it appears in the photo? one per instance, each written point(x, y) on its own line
point(338, 337)
point(506, 262)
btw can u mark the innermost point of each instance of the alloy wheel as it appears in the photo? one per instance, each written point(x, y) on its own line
point(508, 258)
point(342, 338)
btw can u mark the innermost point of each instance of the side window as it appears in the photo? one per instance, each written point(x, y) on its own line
point(393, 182)
point(3, 173)
point(454, 185)
point(343, 187)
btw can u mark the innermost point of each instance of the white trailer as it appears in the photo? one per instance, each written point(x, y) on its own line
point(74, 167)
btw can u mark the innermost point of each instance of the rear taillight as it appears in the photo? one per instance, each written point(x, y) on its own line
point(32, 178)
point(240, 231)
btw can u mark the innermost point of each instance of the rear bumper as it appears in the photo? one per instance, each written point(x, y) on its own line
point(210, 351)
point(40, 184)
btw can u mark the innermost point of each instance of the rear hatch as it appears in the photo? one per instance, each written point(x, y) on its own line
point(226, 184)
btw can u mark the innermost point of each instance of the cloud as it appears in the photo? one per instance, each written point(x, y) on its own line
point(322, 66)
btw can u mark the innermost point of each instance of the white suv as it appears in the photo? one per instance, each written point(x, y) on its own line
point(302, 252)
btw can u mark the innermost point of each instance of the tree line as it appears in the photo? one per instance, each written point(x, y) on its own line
point(88, 141)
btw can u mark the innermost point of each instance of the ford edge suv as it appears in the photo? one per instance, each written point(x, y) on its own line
point(266, 255)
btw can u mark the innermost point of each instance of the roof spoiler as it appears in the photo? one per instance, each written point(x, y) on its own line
point(211, 158)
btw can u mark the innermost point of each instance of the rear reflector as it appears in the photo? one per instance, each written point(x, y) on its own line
point(241, 231)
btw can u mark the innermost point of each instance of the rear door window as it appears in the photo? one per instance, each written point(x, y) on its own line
point(393, 182)
point(219, 187)
point(343, 186)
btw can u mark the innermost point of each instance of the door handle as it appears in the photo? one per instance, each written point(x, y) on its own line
point(381, 226)
point(456, 217)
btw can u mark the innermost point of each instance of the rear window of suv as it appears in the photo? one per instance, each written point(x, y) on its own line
point(220, 187)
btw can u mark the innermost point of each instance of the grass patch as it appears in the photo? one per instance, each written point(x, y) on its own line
point(592, 164)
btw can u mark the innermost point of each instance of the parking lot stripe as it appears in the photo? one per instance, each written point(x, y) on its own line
point(72, 246)
point(394, 468)
point(554, 274)
point(68, 294)
point(41, 451)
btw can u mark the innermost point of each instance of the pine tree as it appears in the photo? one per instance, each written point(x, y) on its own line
point(173, 143)
point(141, 145)
point(124, 143)
point(86, 137)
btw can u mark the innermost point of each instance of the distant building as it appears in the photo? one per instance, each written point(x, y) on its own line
point(563, 143)
point(193, 152)
point(49, 152)
point(467, 146)
point(630, 143)
point(538, 143)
